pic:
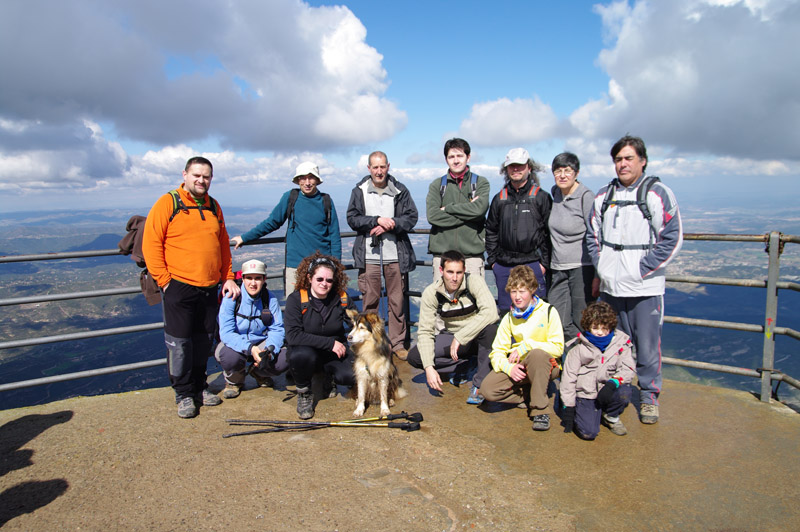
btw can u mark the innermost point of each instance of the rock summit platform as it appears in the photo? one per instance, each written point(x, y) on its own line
point(717, 460)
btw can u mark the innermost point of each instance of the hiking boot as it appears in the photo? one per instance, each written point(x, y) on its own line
point(541, 422)
point(209, 399)
point(186, 408)
point(614, 425)
point(648, 414)
point(264, 382)
point(401, 353)
point(232, 391)
point(329, 389)
point(305, 404)
point(475, 397)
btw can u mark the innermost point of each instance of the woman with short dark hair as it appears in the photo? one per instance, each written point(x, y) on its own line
point(570, 264)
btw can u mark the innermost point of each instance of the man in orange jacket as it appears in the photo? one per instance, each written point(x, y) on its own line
point(187, 251)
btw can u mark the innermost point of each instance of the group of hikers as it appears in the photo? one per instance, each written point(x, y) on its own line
point(577, 272)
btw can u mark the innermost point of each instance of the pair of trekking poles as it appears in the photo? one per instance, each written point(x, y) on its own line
point(272, 425)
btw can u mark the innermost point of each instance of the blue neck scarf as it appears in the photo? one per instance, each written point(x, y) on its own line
point(523, 314)
point(600, 342)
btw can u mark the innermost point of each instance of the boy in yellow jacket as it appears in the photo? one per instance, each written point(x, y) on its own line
point(526, 350)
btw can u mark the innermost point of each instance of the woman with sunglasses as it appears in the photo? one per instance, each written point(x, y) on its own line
point(570, 264)
point(314, 320)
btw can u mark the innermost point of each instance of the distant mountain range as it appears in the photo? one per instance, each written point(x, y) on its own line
point(25, 233)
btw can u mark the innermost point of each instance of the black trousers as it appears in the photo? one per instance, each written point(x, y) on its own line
point(190, 315)
point(306, 360)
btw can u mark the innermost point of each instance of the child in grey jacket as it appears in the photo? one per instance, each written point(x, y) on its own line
point(596, 383)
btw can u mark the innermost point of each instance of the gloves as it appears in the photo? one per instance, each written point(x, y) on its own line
point(568, 418)
point(607, 392)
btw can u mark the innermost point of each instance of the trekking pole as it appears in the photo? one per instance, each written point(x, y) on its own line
point(408, 427)
point(415, 417)
point(383, 284)
point(275, 429)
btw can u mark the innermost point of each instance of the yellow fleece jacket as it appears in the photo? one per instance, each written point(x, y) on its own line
point(541, 330)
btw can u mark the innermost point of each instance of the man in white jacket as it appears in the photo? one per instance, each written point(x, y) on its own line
point(634, 232)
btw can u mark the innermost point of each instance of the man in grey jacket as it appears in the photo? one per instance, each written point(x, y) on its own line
point(382, 212)
point(630, 253)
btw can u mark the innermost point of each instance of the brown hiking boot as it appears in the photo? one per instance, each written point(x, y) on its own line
point(401, 353)
point(232, 391)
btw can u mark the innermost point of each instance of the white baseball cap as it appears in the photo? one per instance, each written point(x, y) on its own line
point(305, 169)
point(516, 156)
point(254, 267)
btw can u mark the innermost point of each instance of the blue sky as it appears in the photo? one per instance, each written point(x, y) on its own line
point(101, 102)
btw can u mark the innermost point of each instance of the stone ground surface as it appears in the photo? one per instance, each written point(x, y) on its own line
point(717, 460)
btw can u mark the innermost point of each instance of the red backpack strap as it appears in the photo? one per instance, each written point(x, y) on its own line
point(303, 301)
point(533, 191)
point(504, 193)
point(343, 298)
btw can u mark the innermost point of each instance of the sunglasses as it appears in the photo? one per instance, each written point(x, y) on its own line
point(328, 280)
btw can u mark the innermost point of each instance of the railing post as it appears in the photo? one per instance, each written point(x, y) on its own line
point(771, 315)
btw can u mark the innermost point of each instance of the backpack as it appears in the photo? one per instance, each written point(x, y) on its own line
point(266, 314)
point(304, 303)
point(131, 243)
point(529, 199)
point(457, 312)
point(326, 202)
point(179, 205)
point(641, 202)
point(472, 185)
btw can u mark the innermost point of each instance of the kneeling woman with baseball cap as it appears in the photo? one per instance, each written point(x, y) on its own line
point(315, 333)
point(250, 328)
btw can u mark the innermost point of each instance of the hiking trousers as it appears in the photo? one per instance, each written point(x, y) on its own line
point(588, 412)
point(499, 387)
point(479, 347)
point(305, 361)
point(369, 283)
point(569, 292)
point(641, 318)
point(234, 363)
point(190, 316)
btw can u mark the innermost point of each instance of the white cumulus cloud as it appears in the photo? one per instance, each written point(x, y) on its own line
point(503, 121)
point(701, 76)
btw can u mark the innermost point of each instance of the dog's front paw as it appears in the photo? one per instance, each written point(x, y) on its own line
point(385, 411)
point(358, 412)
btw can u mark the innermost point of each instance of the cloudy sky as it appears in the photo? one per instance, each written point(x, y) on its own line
point(101, 102)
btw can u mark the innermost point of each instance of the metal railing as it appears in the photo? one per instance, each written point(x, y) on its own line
point(774, 242)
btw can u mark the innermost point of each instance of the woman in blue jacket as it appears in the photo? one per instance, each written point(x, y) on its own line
point(249, 330)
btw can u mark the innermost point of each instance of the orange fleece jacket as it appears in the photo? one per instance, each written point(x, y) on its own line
point(188, 249)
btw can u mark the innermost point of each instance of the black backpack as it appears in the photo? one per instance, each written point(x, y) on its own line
point(641, 203)
point(326, 202)
point(131, 243)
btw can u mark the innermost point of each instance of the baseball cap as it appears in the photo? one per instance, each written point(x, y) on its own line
point(254, 267)
point(516, 156)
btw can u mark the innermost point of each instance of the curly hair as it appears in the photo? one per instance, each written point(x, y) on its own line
point(599, 314)
point(310, 264)
point(522, 277)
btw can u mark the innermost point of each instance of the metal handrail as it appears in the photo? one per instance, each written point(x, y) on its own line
point(774, 242)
